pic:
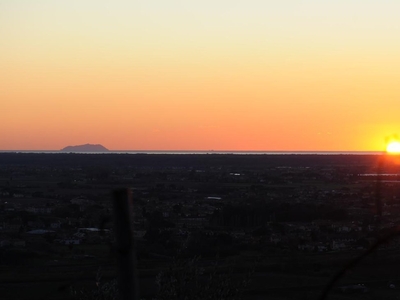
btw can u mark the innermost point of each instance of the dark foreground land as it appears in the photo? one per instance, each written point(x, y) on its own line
point(210, 225)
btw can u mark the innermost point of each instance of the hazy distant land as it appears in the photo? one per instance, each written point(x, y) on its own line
point(85, 148)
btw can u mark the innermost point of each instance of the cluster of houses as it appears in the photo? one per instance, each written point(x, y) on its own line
point(21, 225)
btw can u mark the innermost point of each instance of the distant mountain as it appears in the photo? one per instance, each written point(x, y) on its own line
point(85, 148)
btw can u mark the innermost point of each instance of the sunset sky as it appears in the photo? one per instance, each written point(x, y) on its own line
point(199, 75)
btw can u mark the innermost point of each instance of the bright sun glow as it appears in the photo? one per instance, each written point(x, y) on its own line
point(393, 147)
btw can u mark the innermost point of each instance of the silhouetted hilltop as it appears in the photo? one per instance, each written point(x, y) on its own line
point(85, 148)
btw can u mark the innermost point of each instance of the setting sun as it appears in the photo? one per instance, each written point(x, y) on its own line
point(393, 147)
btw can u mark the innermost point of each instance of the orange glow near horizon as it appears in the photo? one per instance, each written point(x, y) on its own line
point(199, 75)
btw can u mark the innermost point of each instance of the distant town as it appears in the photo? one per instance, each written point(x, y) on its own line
point(286, 223)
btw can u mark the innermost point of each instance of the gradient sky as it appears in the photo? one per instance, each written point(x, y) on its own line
point(199, 75)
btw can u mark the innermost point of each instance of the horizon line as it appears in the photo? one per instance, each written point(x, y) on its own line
point(198, 151)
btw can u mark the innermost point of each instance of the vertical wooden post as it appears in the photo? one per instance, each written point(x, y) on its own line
point(378, 190)
point(125, 250)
